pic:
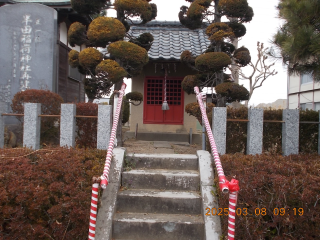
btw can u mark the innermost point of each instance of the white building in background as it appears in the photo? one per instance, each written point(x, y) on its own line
point(303, 92)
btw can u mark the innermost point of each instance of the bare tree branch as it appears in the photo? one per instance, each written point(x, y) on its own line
point(261, 70)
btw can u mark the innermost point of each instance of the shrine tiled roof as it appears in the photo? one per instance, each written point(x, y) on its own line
point(171, 38)
point(44, 2)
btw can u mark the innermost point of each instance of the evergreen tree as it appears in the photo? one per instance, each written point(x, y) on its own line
point(298, 38)
point(221, 54)
point(124, 59)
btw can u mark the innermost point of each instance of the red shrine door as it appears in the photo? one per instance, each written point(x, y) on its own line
point(154, 96)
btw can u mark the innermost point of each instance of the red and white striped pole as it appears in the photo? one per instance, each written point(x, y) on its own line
point(93, 211)
point(105, 175)
point(225, 186)
point(232, 214)
point(103, 180)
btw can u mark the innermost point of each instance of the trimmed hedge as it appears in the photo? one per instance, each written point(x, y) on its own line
point(280, 195)
point(272, 132)
point(236, 131)
point(50, 105)
point(46, 194)
point(87, 127)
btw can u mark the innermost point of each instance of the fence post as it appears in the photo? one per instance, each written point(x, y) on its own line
point(68, 125)
point(255, 131)
point(104, 126)
point(290, 132)
point(31, 125)
point(219, 128)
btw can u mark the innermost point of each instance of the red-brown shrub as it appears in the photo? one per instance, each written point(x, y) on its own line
point(87, 127)
point(272, 132)
point(270, 182)
point(308, 141)
point(237, 131)
point(50, 105)
point(46, 194)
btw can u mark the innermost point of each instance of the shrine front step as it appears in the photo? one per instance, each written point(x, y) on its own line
point(164, 136)
point(160, 199)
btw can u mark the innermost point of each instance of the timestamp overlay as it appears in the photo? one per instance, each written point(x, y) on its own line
point(255, 212)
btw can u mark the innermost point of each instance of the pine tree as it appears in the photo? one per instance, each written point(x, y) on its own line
point(124, 58)
point(298, 38)
point(221, 54)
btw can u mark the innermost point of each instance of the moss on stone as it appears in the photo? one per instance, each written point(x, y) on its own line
point(103, 30)
point(212, 61)
point(77, 34)
point(73, 58)
point(89, 58)
point(114, 71)
point(219, 31)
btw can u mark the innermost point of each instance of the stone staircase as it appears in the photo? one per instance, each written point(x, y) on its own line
point(162, 197)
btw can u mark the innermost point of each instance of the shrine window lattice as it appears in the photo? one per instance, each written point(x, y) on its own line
point(155, 91)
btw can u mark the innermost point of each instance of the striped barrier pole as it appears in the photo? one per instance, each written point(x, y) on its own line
point(225, 186)
point(93, 211)
point(105, 175)
point(232, 214)
point(103, 180)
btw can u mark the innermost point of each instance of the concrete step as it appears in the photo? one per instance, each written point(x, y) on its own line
point(160, 161)
point(164, 136)
point(143, 226)
point(157, 201)
point(161, 179)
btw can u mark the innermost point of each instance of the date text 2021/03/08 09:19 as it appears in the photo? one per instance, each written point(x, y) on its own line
point(255, 212)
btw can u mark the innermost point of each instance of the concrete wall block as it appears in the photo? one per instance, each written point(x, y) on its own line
point(104, 126)
point(290, 132)
point(219, 128)
point(255, 131)
point(68, 125)
point(31, 126)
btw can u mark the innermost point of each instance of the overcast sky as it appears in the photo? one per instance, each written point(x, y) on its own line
point(262, 27)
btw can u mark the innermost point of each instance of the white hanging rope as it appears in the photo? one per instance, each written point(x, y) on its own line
point(165, 105)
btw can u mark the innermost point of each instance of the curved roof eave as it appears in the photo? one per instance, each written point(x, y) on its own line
point(46, 2)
